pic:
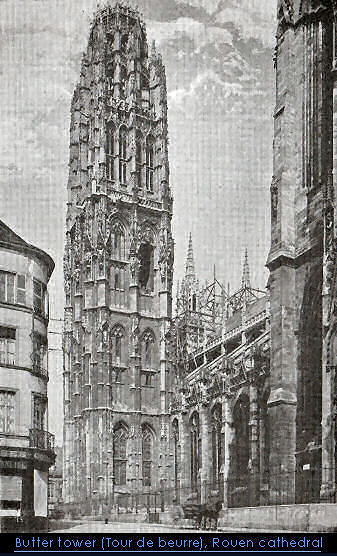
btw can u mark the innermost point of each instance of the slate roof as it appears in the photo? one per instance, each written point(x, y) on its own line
point(10, 240)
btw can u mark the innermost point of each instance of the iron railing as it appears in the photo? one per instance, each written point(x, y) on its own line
point(41, 439)
point(274, 488)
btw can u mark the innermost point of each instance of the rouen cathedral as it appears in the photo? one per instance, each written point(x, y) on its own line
point(234, 396)
point(118, 268)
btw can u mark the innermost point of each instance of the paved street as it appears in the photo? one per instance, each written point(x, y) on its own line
point(116, 527)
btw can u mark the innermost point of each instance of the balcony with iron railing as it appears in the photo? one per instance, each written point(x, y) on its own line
point(43, 440)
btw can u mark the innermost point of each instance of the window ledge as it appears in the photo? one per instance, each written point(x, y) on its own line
point(20, 306)
point(120, 261)
point(146, 293)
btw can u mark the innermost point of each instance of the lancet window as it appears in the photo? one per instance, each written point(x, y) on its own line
point(120, 454)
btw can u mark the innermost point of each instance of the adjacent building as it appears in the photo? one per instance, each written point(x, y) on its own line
point(27, 448)
point(118, 270)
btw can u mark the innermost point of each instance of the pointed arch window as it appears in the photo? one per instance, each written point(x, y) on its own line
point(150, 164)
point(117, 341)
point(146, 270)
point(120, 454)
point(118, 348)
point(216, 424)
point(148, 353)
point(118, 242)
point(240, 446)
point(176, 452)
point(148, 348)
point(145, 89)
point(124, 82)
point(195, 442)
point(124, 43)
point(105, 335)
point(116, 281)
point(122, 154)
point(110, 151)
point(139, 159)
point(147, 450)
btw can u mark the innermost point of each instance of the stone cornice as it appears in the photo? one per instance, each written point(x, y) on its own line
point(281, 396)
point(286, 257)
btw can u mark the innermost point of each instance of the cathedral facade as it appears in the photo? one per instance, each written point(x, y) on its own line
point(273, 392)
point(118, 269)
point(219, 411)
point(235, 398)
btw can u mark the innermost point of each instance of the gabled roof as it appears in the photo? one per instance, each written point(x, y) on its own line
point(7, 235)
point(10, 240)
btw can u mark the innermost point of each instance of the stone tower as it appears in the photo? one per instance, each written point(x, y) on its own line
point(118, 270)
point(302, 207)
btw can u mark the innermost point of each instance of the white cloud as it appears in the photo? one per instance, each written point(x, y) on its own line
point(207, 83)
point(251, 23)
point(200, 33)
point(208, 5)
point(265, 8)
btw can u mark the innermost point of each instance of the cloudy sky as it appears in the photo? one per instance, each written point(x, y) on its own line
point(218, 56)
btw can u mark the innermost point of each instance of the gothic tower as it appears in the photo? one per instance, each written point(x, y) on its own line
point(118, 269)
point(302, 195)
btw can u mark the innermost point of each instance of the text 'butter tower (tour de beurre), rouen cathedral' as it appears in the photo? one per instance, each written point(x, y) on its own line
point(118, 268)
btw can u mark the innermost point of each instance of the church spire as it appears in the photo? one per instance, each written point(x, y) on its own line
point(190, 270)
point(246, 272)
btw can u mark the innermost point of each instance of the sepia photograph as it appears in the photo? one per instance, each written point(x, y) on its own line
point(168, 271)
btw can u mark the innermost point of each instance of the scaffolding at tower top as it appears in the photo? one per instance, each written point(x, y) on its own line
point(202, 312)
